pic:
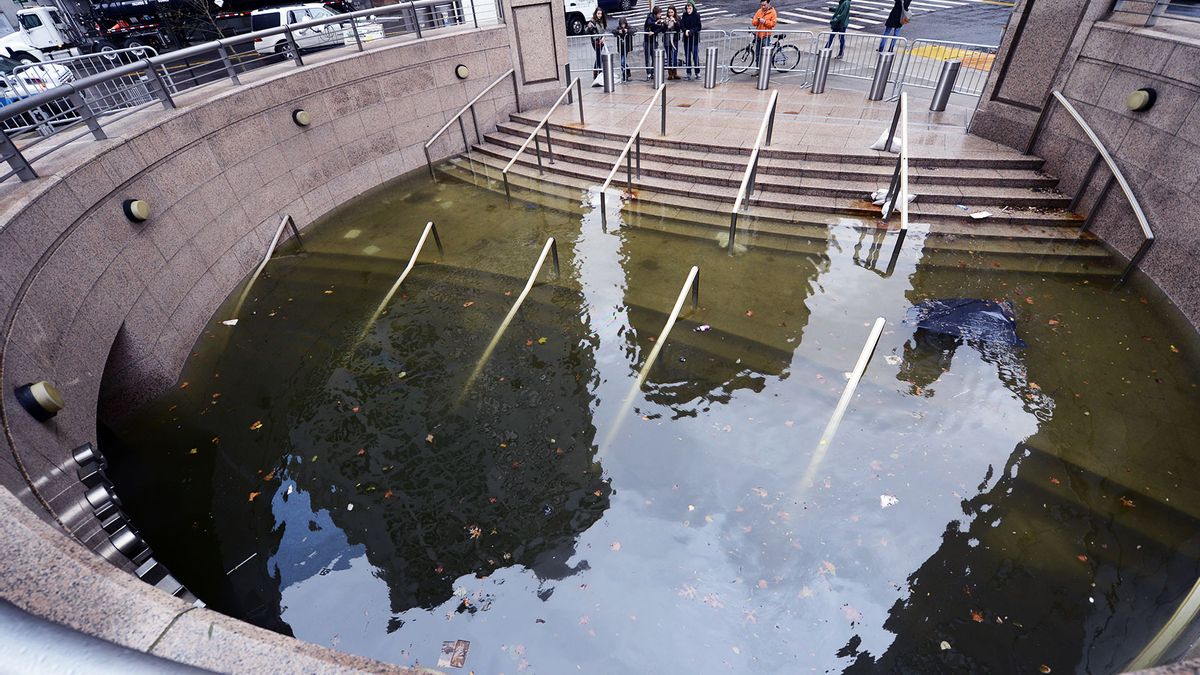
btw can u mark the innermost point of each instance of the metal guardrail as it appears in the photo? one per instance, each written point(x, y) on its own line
point(543, 124)
point(430, 228)
point(511, 74)
point(582, 50)
point(861, 55)
point(216, 61)
point(1115, 175)
point(635, 141)
point(765, 129)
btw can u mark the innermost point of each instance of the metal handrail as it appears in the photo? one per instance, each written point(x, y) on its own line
point(550, 248)
point(898, 188)
point(1114, 175)
point(544, 124)
point(864, 358)
point(153, 64)
point(512, 73)
point(430, 228)
point(285, 221)
point(635, 139)
point(747, 186)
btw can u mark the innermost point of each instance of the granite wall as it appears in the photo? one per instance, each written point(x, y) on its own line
point(1096, 58)
point(82, 287)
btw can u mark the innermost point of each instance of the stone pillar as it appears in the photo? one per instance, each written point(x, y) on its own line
point(538, 39)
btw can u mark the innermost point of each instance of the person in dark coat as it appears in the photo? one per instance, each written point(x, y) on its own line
point(653, 27)
point(671, 42)
point(895, 20)
point(690, 23)
point(597, 27)
point(624, 35)
point(837, 24)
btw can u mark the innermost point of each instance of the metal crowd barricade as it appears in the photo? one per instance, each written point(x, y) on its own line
point(922, 62)
point(861, 52)
point(581, 54)
point(803, 40)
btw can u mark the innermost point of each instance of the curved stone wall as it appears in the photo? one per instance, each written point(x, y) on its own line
point(84, 288)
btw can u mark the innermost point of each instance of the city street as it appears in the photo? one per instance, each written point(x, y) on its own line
point(974, 21)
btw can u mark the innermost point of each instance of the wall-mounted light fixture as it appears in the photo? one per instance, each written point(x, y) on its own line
point(1141, 100)
point(461, 71)
point(301, 117)
point(137, 210)
point(40, 399)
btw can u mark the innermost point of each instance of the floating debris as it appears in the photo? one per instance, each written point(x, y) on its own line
point(229, 322)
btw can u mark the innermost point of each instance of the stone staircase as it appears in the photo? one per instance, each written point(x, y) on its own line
point(688, 188)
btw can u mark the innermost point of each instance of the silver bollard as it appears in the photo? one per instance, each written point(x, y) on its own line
point(610, 75)
point(945, 85)
point(764, 68)
point(824, 58)
point(710, 67)
point(883, 69)
point(660, 71)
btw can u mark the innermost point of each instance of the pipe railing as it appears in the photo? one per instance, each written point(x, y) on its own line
point(765, 130)
point(898, 188)
point(634, 142)
point(551, 248)
point(155, 68)
point(1115, 175)
point(533, 136)
point(511, 74)
point(430, 229)
point(284, 222)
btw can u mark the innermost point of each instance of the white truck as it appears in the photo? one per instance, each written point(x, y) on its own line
point(40, 30)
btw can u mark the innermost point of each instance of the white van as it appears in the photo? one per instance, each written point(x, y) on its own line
point(313, 37)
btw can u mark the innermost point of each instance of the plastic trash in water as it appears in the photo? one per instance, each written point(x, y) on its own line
point(702, 328)
point(968, 318)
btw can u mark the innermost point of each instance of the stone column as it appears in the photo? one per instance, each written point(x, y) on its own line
point(538, 39)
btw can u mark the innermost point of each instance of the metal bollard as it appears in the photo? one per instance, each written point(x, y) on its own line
point(764, 68)
point(945, 85)
point(883, 69)
point(824, 58)
point(660, 71)
point(610, 76)
point(710, 67)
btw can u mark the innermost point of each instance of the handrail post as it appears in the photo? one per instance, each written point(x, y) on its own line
point(88, 117)
point(1087, 179)
point(416, 19)
point(638, 150)
point(549, 147)
point(15, 159)
point(1087, 222)
point(436, 239)
point(537, 148)
point(295, 231)
point(892, 129)
point(357, 37)
point(292, 46)
point(771, 119)
point(463, 130)
point(229, 69)
point(567, 74)
point(516, 89)
point(554, 258)
point(579, 88)
point(475, 124)
point(893, 188)
point(160, 88)
point(507, 192)
point(732, 228)
point(696, 291)
point(663, 93)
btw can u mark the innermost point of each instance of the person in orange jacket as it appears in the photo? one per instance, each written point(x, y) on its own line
point(764, 20)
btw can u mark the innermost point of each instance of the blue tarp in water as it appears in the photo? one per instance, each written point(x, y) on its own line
point(968, 318)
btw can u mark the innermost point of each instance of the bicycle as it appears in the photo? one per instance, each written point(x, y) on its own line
point(784, 58)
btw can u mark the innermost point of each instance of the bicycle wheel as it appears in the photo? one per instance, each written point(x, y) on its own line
point(742, 59)
point(785, 58)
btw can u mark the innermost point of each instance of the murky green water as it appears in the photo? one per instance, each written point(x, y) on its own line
point(982, 508)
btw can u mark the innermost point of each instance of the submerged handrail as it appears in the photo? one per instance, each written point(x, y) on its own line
point(1114, 175)
point(430, 228)
point(512, 73)
point(843, 403)
point(285, 221)
point(747, 186)
point(1179, 621)
point(660, 94)
point(544, 124)
point(692, 283)
point(550, 248)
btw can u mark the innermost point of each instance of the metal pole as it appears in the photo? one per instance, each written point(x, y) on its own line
point(416, 19)
point(710, 67)
point(764, 68)
point(429, 163)
point(663, 95)
point(579, 88)
point(475, 20)
point(567, 72)
point(629, 172)
point(660, 59)
point(638, 145)
point(732, 229)
point(610, 80)
point(554, 256)
point(15, 159)
point(883, 69)
point(821, 74)
point(537, 148)
point(86, 114)
point(1087, 223)
point(771, 119)
point(357, 37)
point(1087, 179)
point(462, 129)
point(228, 64)
point(549, 147)
point(160, 87)
point(696, 291)
point(892, 129)
point(1037, 127)
point(292, 46)
point(945, 85)
point(516, 91)
point(475, 123)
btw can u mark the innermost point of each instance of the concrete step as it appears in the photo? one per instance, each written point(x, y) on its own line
point(1046, 249)
point(773, 203)
point(513, 134)
point(996, 160)
point(690, 179)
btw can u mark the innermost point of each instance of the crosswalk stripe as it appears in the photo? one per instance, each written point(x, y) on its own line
point(818, 19)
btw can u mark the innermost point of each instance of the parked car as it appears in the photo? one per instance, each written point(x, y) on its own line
point(578, 13)
point(313, 37)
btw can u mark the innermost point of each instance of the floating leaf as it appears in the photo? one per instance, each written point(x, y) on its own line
point(762, 583)
point(256, 426)
point(749, 312)
point(1053, 322)
point(1055, 480)
point(1082, 557)
point(469, 303)
point(429, 438)
point(1127, 502)
point(183, 385)
point(1044, 669)
point(253, 495)
point(1028, 300)
point(977, 616)
point(216, 440)
point(474, 531)
point(1175, 349)
point(269, 477)
point(829, 567)
point(193, 451)
point(616, 546)
point(329, 291)
point(760, 492)
point(387, 495)
point(362, 451)
point(230, 322)
point(542, 340)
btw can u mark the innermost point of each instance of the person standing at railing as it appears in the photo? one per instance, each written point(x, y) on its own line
point(597, 27)
point(764, 20)
point(690, 23)
point(624, 35)
point(671, 42)
point(653, 27)
point(837, 24)
point(895, 20)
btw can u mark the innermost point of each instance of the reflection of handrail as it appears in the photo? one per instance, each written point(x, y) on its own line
point(1114, 175)
point(898, 189)
point(430, 228)
point(544, 124)
point(747, 187)
point(550, 248)
point(634, 139)
point(512, 73)
point(285, 221)
point(691, 284)
point(831, 428)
